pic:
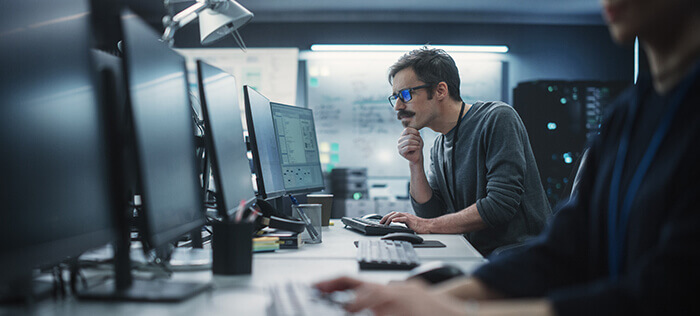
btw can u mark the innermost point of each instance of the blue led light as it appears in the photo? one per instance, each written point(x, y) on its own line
point(551, 126)
point(567, 158)
point(562, 100)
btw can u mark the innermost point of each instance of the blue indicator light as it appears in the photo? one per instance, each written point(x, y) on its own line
point(551, 126)
point(567, 158)
point(562, 100)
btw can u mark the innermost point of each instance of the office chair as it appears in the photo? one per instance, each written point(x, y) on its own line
point(576, 172)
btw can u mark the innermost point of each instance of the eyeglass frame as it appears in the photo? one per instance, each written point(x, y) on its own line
point(398, 96)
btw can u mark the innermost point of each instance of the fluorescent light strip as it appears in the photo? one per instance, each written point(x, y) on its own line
point(404, 48)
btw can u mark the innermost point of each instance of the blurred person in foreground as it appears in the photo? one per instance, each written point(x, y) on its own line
point(627, 242)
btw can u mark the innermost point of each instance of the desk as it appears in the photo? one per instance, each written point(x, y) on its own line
point(337, 244)
point(245, 295)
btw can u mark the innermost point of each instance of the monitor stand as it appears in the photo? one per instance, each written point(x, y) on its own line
point(155, 290)
point(181, 259)
point(124, 287)
point(158, 290)
point(191, 259)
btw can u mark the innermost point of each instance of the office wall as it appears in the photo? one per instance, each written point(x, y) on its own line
point(536, 51)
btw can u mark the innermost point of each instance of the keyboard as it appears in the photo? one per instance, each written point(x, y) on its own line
point(371, 227)
point(386, 255)
point(291, 298)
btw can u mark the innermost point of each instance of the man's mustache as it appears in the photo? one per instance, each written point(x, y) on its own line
point(403, 113)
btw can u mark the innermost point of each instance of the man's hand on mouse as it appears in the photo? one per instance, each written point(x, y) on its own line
point(417, 224)
point(411, 145)
point(399, 298)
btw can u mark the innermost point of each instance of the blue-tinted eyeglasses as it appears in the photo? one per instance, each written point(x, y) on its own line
point(405, 94)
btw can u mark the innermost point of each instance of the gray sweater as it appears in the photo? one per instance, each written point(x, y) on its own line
point(496, 169)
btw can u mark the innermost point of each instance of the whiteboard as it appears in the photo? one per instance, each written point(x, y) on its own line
point(271, 71)
point(355, 124)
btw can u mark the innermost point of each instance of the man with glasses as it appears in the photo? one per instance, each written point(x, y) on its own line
point(483, 181)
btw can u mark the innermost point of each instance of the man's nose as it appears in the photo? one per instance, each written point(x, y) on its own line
point(399, 105)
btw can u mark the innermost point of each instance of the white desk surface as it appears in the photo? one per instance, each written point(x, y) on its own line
point(245, 295)
point(338, 243)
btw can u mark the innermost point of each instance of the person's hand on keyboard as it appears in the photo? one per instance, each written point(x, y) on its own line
point(417, 224)
point(400, 298)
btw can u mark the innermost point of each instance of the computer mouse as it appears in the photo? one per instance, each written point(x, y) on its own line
point(372, 216)
point(434, 272)
point(412, 238)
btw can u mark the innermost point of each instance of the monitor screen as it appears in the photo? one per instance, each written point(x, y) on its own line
point(56, 191)
point(224, 137)
point(298, 149)
point(263, 144)
point(163, 134)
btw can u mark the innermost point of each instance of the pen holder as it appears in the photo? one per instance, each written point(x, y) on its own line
point(311, 215)
point(232, 248)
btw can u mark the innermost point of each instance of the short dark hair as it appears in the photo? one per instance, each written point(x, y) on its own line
point(431, 65)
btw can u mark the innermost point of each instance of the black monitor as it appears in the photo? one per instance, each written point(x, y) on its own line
point(298, 148)
point(57, 193)
point(161, 137)
point(224, 138)
point(263, 144)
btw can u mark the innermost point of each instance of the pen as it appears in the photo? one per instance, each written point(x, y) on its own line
point(294, 200)
point(239, 212)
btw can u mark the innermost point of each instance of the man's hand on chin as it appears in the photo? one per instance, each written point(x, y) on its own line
point(417, 224)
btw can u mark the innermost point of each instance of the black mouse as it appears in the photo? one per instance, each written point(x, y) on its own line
point(412, 238)
point(434, 272)
point(372, 216)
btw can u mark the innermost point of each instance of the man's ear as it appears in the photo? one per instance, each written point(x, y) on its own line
point(442, 91)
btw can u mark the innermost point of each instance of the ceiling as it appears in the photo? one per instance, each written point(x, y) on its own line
point(466, 11)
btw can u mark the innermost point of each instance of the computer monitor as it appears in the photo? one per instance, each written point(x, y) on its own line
point(161, 137)
point(163, 133)
point(263, 144)
point(226, 148)
point(298, 148)
point(57, 194)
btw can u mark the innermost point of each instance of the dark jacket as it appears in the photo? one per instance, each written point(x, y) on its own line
point(660, 259)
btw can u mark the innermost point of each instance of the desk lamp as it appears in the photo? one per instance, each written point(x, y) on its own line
point(217, 18)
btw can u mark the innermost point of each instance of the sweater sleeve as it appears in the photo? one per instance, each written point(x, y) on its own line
point(503, 137)
point(436, 206)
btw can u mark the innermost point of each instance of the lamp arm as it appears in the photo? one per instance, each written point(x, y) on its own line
point(184, 17)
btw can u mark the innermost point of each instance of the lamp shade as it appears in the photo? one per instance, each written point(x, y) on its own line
point(222, 20)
